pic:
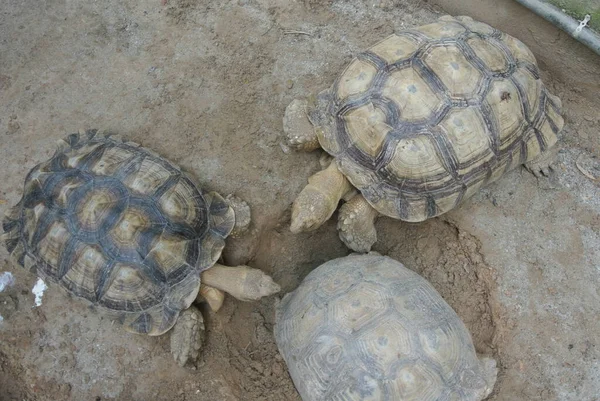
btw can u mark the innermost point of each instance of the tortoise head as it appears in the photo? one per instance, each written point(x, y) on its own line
point(319, 199)
point(310, 210)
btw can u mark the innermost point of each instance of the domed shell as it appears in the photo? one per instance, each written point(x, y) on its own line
point(420, 121)
point(119, 226)
point(364, 327)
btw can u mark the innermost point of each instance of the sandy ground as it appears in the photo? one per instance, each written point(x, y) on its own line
point(205, 84)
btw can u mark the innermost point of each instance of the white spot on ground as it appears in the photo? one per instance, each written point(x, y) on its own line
point(6, 280)
point(38, 291)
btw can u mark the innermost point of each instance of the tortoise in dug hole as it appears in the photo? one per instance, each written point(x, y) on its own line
point(364, 327)
point(418, 123)
point(127, 230)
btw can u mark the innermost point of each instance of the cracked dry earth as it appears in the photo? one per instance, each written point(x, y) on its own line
point(205, 84)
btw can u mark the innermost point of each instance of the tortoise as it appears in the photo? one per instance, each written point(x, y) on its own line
point(117, 225)
point(364, 327)
point(418, 123)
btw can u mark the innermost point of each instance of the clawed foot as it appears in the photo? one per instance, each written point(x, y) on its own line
point(539, 169)
point(541, 166)
point(298, 129)
point(356, 237)
point(356, 224)
point(243, 215)
point(187, 337)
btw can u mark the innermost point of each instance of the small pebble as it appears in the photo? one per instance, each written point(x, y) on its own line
point(286, 149)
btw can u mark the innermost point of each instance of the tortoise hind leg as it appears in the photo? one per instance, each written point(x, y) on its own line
point(299, 131)
point(187, 336)
point(356, 224)
point(542, 164)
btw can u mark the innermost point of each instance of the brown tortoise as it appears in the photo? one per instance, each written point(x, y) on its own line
point(418, 123)
point(127, 230)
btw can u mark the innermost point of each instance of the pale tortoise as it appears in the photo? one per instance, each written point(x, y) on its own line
point(364, 327)
point(418, 123)
point(127, 230)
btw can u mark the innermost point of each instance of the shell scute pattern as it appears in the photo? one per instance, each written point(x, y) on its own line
point(350, 312)
point(119, 226)
point(456, 72)
point(426, 115)
point(410, 345)
point(441, 30)
point(380, 343)
point(396, 47)
point(324, 356)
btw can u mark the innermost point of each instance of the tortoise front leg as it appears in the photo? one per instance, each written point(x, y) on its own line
point(242, 213)
point(212, 296)
point(356, 224)
point(490, 374)
point(542, 164)
point(298, 129)
point(187, 336)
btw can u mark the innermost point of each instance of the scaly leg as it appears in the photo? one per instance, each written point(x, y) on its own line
point(356, 224)
point(242, 213)
point(542, 164)
point(490, 373)
point(299, 131)
point(212, 296)
point(187, 336)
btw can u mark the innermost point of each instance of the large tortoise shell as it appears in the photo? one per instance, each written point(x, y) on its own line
point(420, 121)
point(364, 327)
point(120, 226)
